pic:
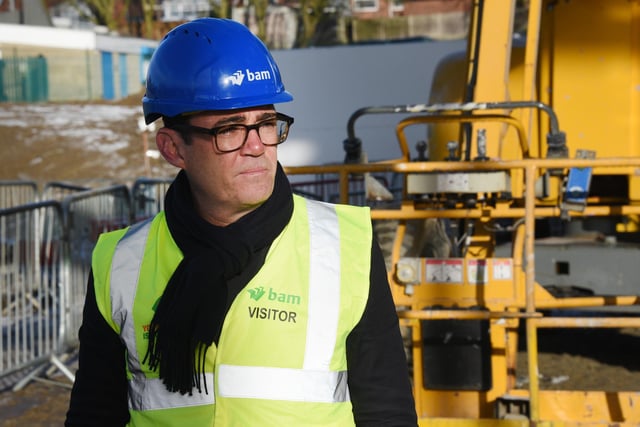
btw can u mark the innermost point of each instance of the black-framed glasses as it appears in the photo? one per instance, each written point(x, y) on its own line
point(232, 137)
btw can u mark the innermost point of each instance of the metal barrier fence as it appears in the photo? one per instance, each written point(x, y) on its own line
point(147, 196)
point(31, 244)
point(326, 187)
point(24, 79)
point(59, 190)
point(15, 193)
point(86, 215)
point(45, 259)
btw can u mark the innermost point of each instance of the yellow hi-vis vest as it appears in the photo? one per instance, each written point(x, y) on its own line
point(281, 357)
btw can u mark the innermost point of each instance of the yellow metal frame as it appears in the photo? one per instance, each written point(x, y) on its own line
point(457, 118)
point(550, 72)
point(508, 303)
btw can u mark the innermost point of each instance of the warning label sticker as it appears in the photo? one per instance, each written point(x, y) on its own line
point(477, 271)
point(502, 269)
point(444, 271)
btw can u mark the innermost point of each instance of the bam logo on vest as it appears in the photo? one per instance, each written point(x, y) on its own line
point(268, 313)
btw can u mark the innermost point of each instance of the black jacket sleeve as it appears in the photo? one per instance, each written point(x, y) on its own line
point(378, 376)
point(99, 394)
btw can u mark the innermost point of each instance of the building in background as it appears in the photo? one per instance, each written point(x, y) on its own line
point(435, 19)
point(56, 53)
point(342, 21)
point(25, 12)
point(44, 63)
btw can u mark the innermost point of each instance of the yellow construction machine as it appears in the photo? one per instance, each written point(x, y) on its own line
point(532, 143)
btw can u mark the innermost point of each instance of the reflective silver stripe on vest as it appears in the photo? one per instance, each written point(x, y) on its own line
point(314, 382)
point(324, 286)
point(144, 393)
point(296, 385)
point(150, 393)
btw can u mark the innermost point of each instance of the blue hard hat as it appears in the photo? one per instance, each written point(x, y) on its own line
point(210, 64)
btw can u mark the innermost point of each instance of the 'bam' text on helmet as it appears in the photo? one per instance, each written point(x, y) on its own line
point(238, 77)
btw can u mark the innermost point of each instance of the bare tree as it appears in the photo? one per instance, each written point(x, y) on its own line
point(101, 12)
point(221, 9)
point(148, 17)
point(311, 11)
point(260, 14)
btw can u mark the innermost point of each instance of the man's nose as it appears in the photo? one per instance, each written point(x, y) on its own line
point(254, 142)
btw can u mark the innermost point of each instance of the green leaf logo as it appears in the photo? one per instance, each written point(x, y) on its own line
point(256, 293)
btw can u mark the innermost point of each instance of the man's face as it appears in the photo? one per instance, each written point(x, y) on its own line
point(226, 186)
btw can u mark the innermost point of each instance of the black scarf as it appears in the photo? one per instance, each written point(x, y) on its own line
point(190, 313)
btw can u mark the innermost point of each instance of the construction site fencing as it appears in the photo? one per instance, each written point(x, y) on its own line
point(24, 79)
point(87, 214)
point(147, 196)
point(326, 187)
point(59, 190)
point(45, 260)
point(31, 298)
point(15, 193)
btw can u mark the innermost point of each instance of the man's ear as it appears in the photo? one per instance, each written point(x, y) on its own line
point(169, 142)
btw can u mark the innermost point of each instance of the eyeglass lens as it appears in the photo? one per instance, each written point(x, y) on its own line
point(232, 137)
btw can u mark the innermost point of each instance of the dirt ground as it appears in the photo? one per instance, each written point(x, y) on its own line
point(80, 143)
point(38, 404)
point(602, 359)
point(102, 142)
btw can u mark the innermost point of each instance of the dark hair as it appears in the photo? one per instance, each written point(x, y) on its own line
point(175, 121)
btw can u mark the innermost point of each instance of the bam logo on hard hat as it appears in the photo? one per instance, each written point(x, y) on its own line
point(238, 77)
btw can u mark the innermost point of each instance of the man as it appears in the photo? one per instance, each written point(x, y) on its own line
point(239, 304)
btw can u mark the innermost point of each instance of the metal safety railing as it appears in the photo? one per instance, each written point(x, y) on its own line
point(327, 187)
point(24, 79)
point(15, 193)
point(525, 304)
point(86, 215)
point(147, 196)
point(30, 293)
point(45, 259)
point(59, 190)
